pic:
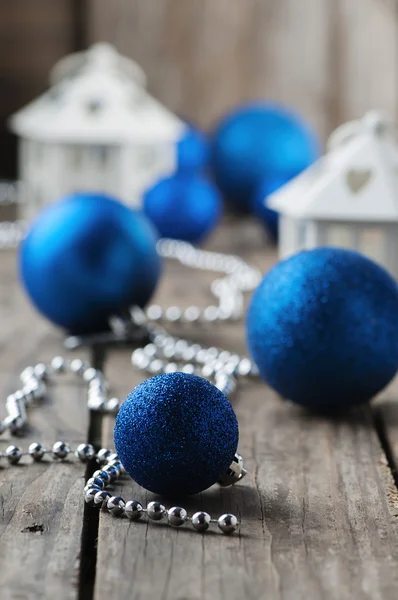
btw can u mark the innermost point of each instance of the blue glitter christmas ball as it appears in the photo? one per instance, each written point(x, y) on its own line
point(176, 434)
point(322, 328)
point(267, 216)
point(192, 151)
point(184, 207)
point(256, 142)
point(88, 257)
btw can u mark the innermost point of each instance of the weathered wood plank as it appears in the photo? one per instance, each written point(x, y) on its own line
point(291, 48)
point(318, 507)
point(41, 508)
point(34, 34)
point(367, 46)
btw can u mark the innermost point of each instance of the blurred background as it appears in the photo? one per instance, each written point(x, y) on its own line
point(330, 60)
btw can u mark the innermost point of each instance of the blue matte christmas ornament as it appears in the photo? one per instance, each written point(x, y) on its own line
point(268, 216)
point(183, 207)
point(192, 151)
point(322, 328)
point(256, 142)
point(88, 257)
point(176, 434)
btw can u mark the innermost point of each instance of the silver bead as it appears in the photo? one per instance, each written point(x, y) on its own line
point(133, 510)
point(112, 406)
point(192, 314)
point(41, 371)
point(90, 374)
point(89, 495)
point(116, 506)
point(103, 456)
point(96, 482)
point(211, 313)
point(60, 450)
point(173, 314)
point(156, 511)
point(244, 367)
point(14, 454)
point(112, 472)
point(118, 466)
point(201, 521)
point(58, 364)
point(90, 486)
point(113, 457)
point(154, 312)
point(101, 499)
point(177, 516)
point(106, 478)
point(85, 452)
point(36, 451)
point(27, 374)
point(77, 366)
point(34, 389)
point(156, 366)
point(228, 523)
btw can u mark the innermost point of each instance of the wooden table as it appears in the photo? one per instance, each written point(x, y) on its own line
point(319, 508)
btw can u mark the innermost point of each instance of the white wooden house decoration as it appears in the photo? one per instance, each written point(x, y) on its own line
point(96, 129)
point(349, 198)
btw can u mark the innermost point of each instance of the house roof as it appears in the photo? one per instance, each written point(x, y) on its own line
point(357, 180)
point(97, 97)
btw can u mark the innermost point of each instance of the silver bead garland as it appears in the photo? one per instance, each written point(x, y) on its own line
point(96, 495)
point(164, 353)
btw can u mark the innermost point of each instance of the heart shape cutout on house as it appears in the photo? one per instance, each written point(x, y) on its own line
point(357, 179)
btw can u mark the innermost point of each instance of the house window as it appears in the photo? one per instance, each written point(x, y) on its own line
point(372, 242)
point(76, 156)
point(99, 155)
point(340, 236)
point(302, 235)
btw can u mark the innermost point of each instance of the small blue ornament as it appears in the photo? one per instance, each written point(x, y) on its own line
point(256, 142)
point(268, 216)
point(192, 151)
point(184, 207)
point(323, 329)
point(176, 434)
point(86, 258)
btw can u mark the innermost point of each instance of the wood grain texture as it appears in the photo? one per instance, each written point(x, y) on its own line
point(331, 61)
point(41, 508)
point(368, 54)
point(319, 507)
point(34, 34)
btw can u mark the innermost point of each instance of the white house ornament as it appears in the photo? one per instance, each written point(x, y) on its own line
point(349, 198)
point(95, 129)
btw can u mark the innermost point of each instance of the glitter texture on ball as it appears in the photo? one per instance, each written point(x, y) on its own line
point(176, 434)
point(86, 258)
point(256, 142)
point(184, 207)
point(322, 328)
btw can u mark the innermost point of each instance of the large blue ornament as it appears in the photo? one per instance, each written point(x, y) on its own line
point(88, 257)
point(176, 434)
point(184, 207)
point(192, 151)
point(323, 328)
point(256, 142)
point(268, 217)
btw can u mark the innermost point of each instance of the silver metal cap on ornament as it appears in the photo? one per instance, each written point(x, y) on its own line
point(235, 473)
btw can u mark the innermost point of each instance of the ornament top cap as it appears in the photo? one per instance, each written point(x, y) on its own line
point(375, 123)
